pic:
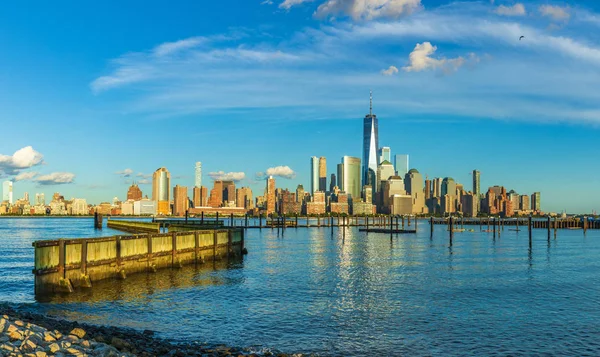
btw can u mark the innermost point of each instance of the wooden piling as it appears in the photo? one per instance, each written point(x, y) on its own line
point(451, 225)
point(548, 227)
point(431, 227)
point(529, 225)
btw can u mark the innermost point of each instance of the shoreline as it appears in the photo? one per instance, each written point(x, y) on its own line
point(23, 333)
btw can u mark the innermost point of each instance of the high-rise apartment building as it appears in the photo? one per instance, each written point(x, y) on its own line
point(401, 164)
point(216, 195)
point(161, 184)
point(448, 187)
point(385, 154)
point(200, 196)
point(180, 200)
point(270, 195)
point(535, 202)
point(244, 198)
point(314, 174)
point(40, 199)
point(476, 183)
point(332, 183)
point(524, 203)
point(370, 146)
point(300, 194)
point(7, 191)
point(349, 175)
point(79, 207)
point(198, 175)
point(134, 193)
point(322, 174)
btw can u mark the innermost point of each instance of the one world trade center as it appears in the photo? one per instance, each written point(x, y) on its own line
point(370, 145)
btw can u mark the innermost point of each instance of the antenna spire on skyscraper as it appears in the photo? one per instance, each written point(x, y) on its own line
point(371, 102)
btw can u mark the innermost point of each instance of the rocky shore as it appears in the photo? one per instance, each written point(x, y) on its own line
point(33, 335)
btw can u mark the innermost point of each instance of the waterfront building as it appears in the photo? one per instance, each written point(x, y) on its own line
point(161, 184)
point(436, 190)
point(300, 194)
point(317, 205)
point(427, 189)
point(322, 174)
point(401, 164)
point(535, 202)
point(7, 192)
point(524, 203)
point(476, 183)
point(144, 207)
point(244, 198)
point(413, 183)
point(134, 193)
point(340, 204)
point(370, 146)
point(385, 154)
point(384, 171)
point(390, 187)
point(448, 187)
point(469, 204)
point(401, 204)
point(216, 194)
point(26, 197)
point(180, 200)
point(448, 204)
point(198, 175)
point(314, 174)
point(40, 199)
point(79, 207)
point(367, 193)
point(127, 208)
point(270, 195)
point(362, 208)
point(103, 208)
point(229, 194)
point(349, 175)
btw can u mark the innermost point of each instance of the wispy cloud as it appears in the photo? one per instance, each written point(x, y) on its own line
point(170, 48)
point(390, 71)
point(557, 13)
point(143, 175)
point(55, 178)
point(514, 10)
point(227, 176)
point(287, 4)
point(125, 173)
point(26, 176)
point(367, 9)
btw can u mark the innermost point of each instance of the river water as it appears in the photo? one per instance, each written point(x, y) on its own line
point(347, 294)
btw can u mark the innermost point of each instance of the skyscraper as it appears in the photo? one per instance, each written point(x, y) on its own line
point(535, 202)
point(385, 154)
point(322, 174)
point(270, 195)
point(7, 191)
point(370, 146)
point(332, 183)
point(314, 174)
point(40, 199)
point(401, 164)
point(134, 193)
point(384, 171)
point(413, 182)
point(198, 176)
point(161, 183)
point(476, 184)
point(350, 176)
point(180, 200)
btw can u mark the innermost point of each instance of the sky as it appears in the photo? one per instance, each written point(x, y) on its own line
point(96, 95)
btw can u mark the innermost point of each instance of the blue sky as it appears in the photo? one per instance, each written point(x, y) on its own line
point(248, 85)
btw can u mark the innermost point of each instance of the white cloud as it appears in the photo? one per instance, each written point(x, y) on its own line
point(144, 182)
point(143, 175)
point(287, 4)
point(420, 60)
point(281, 171)
point(169, 48)
point(26, 176)
point(227, 176)
point(515, 10)
point(23, 158)
point(390, 71)
point(55, 178)
point(557, 13)
point(368, 9)
point(125, 173)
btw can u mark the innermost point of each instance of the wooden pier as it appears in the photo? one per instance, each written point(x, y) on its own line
point(65, 264)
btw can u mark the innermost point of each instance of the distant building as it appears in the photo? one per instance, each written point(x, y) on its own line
point(180, 200)
point(79, 207)
point(384, 171)
point(40, 199)
point(370, 146)
point(389, 188)
point(103, 208)
point(401, 204)
point(401, 164)
point(244, 198)
point(332, 183)
point(362, 208)
point(476, 183)
point(524, 203)
point(349, 176)
point(413, 183)
point(198, 175)
point(317, 205)
point(448, 187)
point(144, 207)
point(7, 192)
point(322, 174)
point(161, 184)
point(385, 154)
point(300, 194)
point(270, 195)
point(340, 204)
point(470, 204)
point(134, 193)
point(216, 194)
point(536, 202)
point(436, 187)
point(127, 208)
point(314, 174)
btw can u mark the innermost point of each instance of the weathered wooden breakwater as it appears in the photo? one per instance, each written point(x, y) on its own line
point(64, 264)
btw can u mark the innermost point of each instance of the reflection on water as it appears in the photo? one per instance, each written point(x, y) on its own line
point(349, 293)
point(144, 285)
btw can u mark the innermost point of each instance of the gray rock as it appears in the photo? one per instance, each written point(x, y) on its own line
point(53, 348)
point(120, 344)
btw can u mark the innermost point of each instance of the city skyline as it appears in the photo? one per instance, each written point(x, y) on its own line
point(499, 111)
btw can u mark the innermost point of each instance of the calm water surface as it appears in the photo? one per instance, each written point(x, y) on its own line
point(350, 295)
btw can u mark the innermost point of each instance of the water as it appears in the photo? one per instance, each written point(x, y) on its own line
point(352, 296)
